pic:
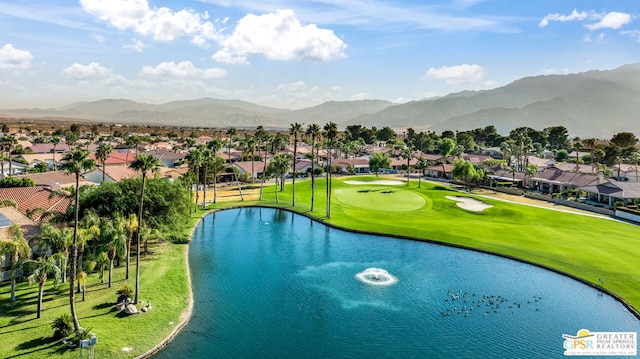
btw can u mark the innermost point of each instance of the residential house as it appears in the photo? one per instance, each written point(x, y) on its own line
point(49, 148)
point(441, 170)
point(56, 179)
point(245, 167)
point(11, 170)
point(516, 178)
point(36, 200)
point(397, 163)
point(611, 191)
point(166, 158)
point(581, 168)
point(555, 180)
point(30, 230)
point(33, 159)
point(359, 165)
point(627, 173)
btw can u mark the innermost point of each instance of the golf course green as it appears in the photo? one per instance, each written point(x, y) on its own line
point(380, 197)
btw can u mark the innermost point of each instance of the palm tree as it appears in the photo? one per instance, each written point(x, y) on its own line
point(531, 171)
point(250, 146)
point(422, 164)
point(131, 141)
point(331, 133)
point(102, 261)
point(231, 133)
point(19, 250)
point(43, 267)
point(266, 138)
point(634, 157)
point(313, 130)
point(71, 138)
point(56, 141)
point(407, 153)
point(143, 163)
point(194, 158)
point(131, 225)
point(590, 143)
point(59, 240)
point(113, 238)
point(279, 166)
point(102, 153)
point(207, 157)
point(77, 162)
point(90, 230)
point(9, 142)
point(294, 130)
point(577, 143)
point(215, 145)
point(188, 179)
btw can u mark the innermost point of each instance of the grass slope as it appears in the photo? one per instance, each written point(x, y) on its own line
point(585, 247)
point(163, 280)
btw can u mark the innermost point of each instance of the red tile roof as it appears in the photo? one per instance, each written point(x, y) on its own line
point(30, 198)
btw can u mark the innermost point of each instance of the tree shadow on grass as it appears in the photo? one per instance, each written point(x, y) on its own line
point(21, 329)
point(443, 188)
point(104, 306)
point(41, 343)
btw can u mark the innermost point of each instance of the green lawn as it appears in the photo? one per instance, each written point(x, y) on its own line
point(585, 247)
point(163, 280)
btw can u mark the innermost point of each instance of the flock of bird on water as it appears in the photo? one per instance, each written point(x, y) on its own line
point(462, 302)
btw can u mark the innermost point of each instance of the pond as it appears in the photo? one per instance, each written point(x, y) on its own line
point(272, 284)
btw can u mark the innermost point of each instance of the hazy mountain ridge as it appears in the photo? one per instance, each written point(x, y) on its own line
point(594, 103)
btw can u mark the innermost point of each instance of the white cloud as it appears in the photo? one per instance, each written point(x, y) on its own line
point(491, 83)
point(574, 16)
point(632, 33)
point(87, 72)
point(456, 75)
point(14, 59)
point(182, 70)
point(161, 23)
point(598, 39)
point(298, 89)
point(98, 38)
point(613, 20)
point(553, 70)
point(137, 46)
point(360, 96)
point(279, 36)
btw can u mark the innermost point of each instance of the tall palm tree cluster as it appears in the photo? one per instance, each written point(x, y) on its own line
point(103, 240)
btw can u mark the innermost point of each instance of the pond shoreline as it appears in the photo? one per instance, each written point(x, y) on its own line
point(186, 316)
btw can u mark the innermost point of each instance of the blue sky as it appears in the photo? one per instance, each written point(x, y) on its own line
point(294, 54)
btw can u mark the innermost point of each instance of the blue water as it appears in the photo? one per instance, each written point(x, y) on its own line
point(272, 284)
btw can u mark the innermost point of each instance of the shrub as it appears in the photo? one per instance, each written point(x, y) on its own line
point(62, 326)
point(124, 293)
point(81, 335)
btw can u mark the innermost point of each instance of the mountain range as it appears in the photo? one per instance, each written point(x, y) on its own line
point(589, 104)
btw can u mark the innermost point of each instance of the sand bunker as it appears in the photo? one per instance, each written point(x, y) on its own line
point(386, 182)
point(470, 204)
